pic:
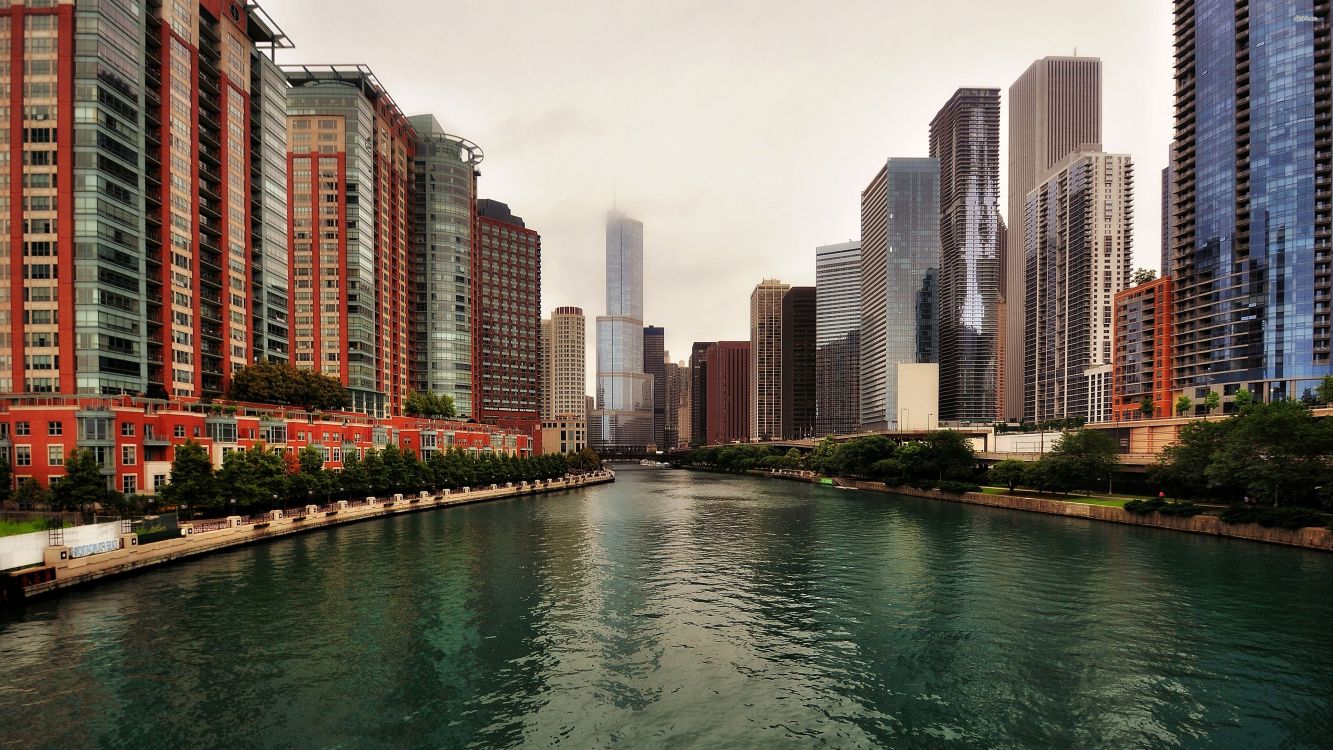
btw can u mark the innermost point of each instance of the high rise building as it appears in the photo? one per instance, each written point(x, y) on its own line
point(564, 363)
point(1168, 192)
point(729, 392)
point(837, 338)
point(623, 419)
point(698, 434)
point(1055, 109)
point(1079, 256)
point(654, 364)
point(349, 155)
point(1251, 222)
point(678, 405)
point(766, 359)
point(1142, 371)
point(900, 261)
point(965, 138)
point(141, 254)
point(443, 200)
point(798, 362)
point(506, 320)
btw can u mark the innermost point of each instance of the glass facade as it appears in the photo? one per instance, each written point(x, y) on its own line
point(623, 418)
point(837, 338)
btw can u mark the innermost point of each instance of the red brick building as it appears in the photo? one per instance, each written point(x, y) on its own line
point(506, 321)
point(1143, 351)
point(728, 395)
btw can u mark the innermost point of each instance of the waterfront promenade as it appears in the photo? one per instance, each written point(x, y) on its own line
point(60, 570)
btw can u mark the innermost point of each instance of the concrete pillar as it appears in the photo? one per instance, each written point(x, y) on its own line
point(233, 521)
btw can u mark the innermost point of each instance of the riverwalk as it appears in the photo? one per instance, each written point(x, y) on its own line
point(62, 569)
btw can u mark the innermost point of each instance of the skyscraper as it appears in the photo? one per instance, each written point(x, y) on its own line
point(678, 404)
point(1142, 371)
point(837, 338)
point(623, 420)
point(444, 194)
point(766, 359)
point(144, 258)
point(564, 357)
point(900, 261)
point(654, 349)
point(1079, 255)
point(350, 150)
point(506, 320)
point(729, 392)
point(1055, 108)
point(798, 362)
point(965, 138)
point(699, 392)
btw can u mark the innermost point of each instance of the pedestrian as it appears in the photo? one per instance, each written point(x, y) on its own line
point(1161, 495)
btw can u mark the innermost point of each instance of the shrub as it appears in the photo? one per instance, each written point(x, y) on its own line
point(1165, 507)
point(956, 488)
point(1281, 518)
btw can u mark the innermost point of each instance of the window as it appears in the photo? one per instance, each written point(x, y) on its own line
point(179, 431)
point(129, 484)
point(128, 455)
point(55, 455)
point(127, 429)
point(159, 481)
point(55, 429)
point(22, 429)
point(95, 428)
point(23, 455)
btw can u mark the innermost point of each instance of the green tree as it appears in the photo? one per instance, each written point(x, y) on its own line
point(6, 477)
point(1082, 459)
point(282, 383)
point(1212, 401)
point(1143, 276)
point(256, 478)
point(428, 404)
point(825, 459)
point(585, 460)
point(1242, 399)
point(354, 481)
point(192, 480)
point(1324, 393)
point(857, 456)
point(31, 495)
point(949, 455)
point(1182, 469)
point(1183, 404)
point(1277, 452)
point(83, 486)
point(1147, 407)
point(1008, 473)
point(308, 479)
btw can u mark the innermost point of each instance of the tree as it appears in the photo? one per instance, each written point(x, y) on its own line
point(1147, 407)
point(83, 486)
point(354, 481)
point(281, 383)
point(254, 478)
point(1183, 466)
point(31, 495)
point(6, 477)
point(1277, 452)
point(192, 480)
point(1183, 404)
point(306, 476)
point(1243, 399)
point(949, 455)
point(1212, 401)
point(585, 460)
point(1144, 276)
point(1008, 473)
point(825, 457)
point(1083, 459)
point(428, 404)
point(857, 456)
point(1324, 393)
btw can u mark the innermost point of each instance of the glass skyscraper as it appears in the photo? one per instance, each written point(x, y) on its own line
point(1250, 211)
point(837, 338)
point(623, 418)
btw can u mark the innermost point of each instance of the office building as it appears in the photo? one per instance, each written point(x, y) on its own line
point(443, 200)
point(623, 419)
point(679, 428)
point(564, 358)
point(729, 392)
point(1143, 343)
point(350, 151)
point(965, 138)
point(900, 260)
point(698, 434)
point(1079, 256)
point(654, 364)
point(1055, 109)
point(798, 362)
point(766, 359)
point(564, 434)
point(1251, 258)
point(837, 338)
point(506, 320)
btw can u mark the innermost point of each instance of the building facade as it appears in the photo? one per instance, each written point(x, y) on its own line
point(506, 320)
point(349, 156)
point(564, 357)
point(623, 419)
point(1055, 109)
point(965, 138)
point(698, 434)
point(837, 338)
point(900, 261)
point(443, 200)
point(1079, 225)
point(564, 435)
point(1142, 376)
point(798, 362)
point(678, 405)
point(729, 391)
point(766, 359)
point(1251, 257)
point(654, 364)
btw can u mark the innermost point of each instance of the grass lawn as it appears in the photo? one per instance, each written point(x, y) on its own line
point(8, 528)
point(1114, 501)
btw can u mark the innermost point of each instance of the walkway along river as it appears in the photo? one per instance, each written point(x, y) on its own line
point(675, 609)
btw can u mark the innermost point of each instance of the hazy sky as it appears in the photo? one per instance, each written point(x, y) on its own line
point(740, 133)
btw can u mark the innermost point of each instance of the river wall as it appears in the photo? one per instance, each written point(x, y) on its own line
point(63, 568)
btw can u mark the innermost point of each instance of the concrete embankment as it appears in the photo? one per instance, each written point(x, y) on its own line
point(62, 570)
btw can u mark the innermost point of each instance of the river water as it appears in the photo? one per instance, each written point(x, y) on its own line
point(674, 610)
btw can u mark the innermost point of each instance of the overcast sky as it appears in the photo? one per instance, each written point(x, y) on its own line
point(740, 133)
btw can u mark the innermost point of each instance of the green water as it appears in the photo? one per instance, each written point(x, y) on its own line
point(675, 610)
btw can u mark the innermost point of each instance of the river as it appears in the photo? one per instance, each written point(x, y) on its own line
point(676, 609)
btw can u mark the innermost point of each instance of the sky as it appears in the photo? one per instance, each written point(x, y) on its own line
point(741, 134)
